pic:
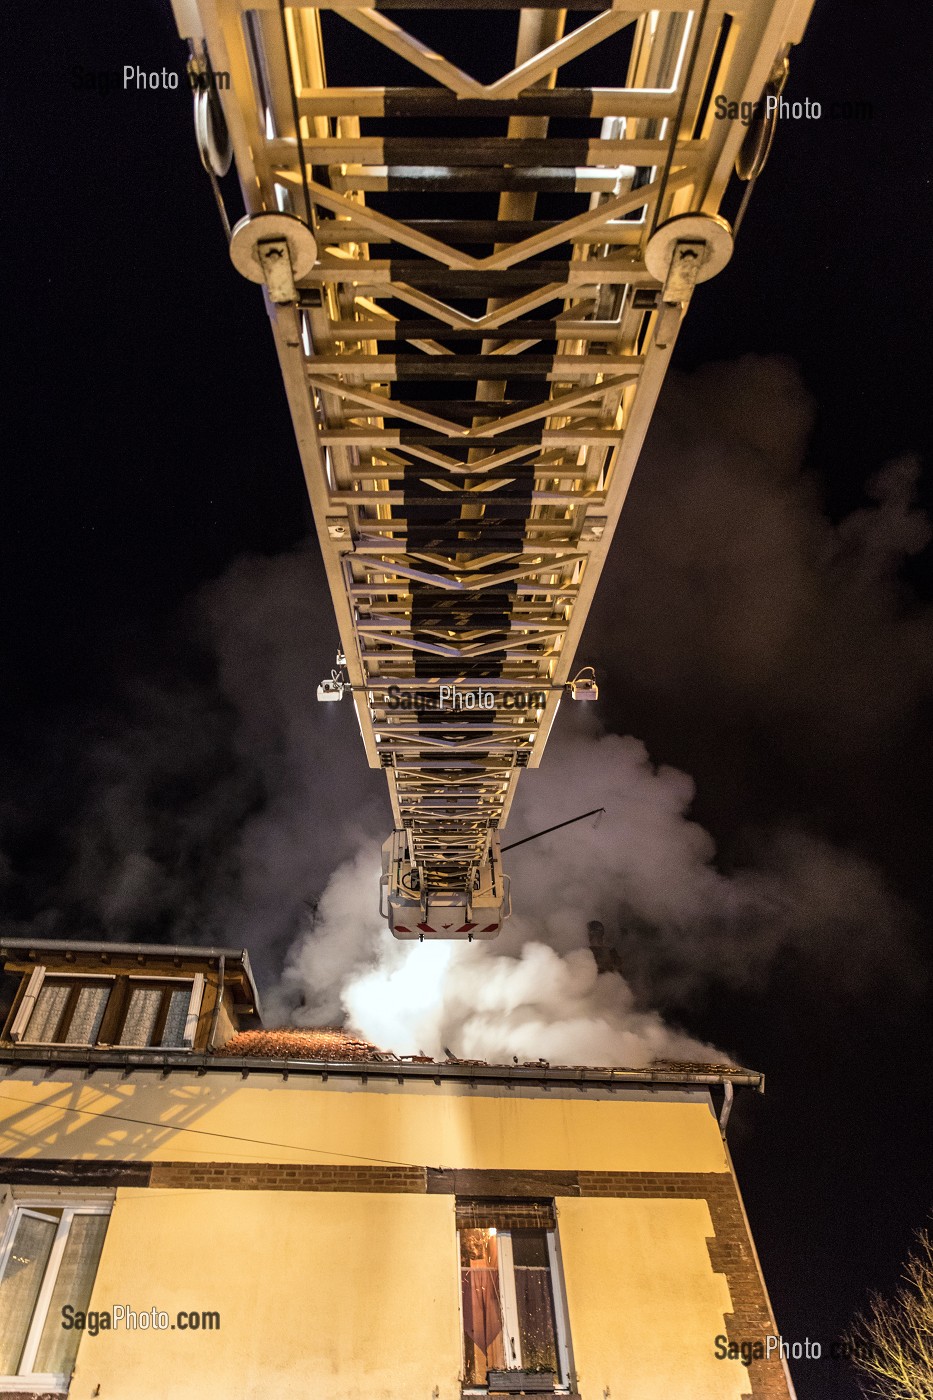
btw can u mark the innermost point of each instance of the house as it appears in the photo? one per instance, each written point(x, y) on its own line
point(193, 1205)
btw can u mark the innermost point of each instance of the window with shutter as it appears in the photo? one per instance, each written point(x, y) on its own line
point(512, 1301)
point(66, 1011)
point(160, 1013)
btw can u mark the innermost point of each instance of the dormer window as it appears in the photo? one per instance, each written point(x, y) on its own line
point(157, 1013)
point(132, 1012)
point(68, 1011)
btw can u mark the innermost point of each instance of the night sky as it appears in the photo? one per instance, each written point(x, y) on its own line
point(151, 447)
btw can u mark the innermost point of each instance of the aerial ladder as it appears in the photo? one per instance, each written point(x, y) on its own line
point(478, 226)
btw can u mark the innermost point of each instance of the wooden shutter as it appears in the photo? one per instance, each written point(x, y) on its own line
point(28, 1003)
point(194, 1009)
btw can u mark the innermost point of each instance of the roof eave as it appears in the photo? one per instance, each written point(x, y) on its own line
point(186, 1062)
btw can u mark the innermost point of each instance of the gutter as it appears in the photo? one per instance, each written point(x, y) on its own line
point(185, 1062)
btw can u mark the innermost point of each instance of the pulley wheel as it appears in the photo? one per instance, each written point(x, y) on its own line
point(254, 229)
point(707, 228)
point(211, 133)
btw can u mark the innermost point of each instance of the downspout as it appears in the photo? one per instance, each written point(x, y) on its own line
point(215, 1015)
point(728, 1094)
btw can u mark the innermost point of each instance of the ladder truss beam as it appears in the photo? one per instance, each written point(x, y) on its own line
point(473, 354)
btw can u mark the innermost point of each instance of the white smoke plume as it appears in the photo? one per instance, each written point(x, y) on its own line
point(644, 871)
point(729, 596)
point(517, 999)
point(776, 654)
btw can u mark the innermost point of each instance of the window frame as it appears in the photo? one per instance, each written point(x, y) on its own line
point(40, 1207)
point(75, 982)
point(195, 984)
point(115, 1010)
point(564, 1382)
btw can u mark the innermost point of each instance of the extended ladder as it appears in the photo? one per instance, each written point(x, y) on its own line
point(478, 227)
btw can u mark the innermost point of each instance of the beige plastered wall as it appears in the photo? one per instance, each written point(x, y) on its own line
point(331, 1295)
point(224, 1118)
point(355, 1296)
point(644, 1304)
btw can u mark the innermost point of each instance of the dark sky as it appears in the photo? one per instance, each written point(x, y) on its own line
point(151, 447)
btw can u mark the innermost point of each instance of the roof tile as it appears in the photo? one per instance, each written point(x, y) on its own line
point(327, 1044)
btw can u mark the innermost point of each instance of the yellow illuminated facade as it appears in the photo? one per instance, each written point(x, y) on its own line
point(331, 1221)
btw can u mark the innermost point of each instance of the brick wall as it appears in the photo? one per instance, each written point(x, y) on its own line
point(284, 1176)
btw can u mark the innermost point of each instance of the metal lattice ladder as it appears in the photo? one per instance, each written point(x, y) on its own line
point(475, 285)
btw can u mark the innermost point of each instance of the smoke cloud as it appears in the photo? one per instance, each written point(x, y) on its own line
point(668, 924)
point(524, 1000)
point(773, 654)
point(778, 656)
point(789, 652)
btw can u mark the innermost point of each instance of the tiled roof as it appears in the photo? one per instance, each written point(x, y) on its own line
point(337, 1046)
point(698, 1067)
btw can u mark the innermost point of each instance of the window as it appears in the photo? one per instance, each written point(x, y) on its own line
point(512, 1301)
point(135, 1012)
point(48, 1259)
point(156, 1014)
point(67, 1011)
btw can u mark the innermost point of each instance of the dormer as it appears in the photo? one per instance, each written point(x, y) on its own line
point(129, 997)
